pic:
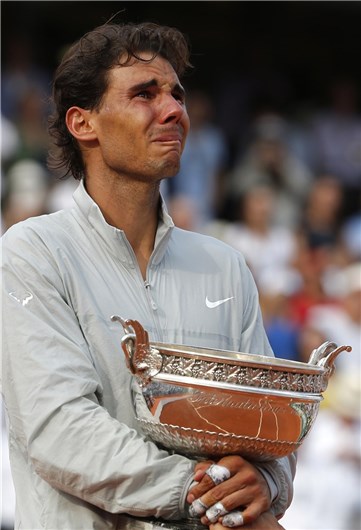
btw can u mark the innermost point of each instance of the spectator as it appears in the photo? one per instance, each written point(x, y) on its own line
point(26, 192)
point(282, 332)
point(320, 221)
point(313, 266)
point(9, 139)
point(351, 235)
point(256, 235)
point(252, 84)
point(341, 323)
point(30, 120)
point(269, 161)
point(336, 139)
point(21, 73)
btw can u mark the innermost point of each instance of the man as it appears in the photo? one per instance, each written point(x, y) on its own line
point(78, 458)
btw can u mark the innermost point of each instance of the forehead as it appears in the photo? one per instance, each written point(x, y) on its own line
point(137, 71)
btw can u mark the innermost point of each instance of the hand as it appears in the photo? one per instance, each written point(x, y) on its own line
point(266, 521)
point(245, 490)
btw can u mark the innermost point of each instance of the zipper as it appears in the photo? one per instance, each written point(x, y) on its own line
point(153, 305)
point(158, 331)
point(146, 287)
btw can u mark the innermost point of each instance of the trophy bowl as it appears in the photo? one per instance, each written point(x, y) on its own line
point(209, 403)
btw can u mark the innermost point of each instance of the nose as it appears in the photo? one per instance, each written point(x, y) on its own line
point(173, 110)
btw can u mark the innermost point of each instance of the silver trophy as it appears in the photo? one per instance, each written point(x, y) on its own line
point(207, 403)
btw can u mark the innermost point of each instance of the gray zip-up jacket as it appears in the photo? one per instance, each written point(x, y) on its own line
point(78, 458)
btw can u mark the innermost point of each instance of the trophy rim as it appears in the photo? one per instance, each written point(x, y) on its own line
point(240, 358)
point(199, 384)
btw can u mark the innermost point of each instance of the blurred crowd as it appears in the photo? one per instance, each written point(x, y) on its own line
point(283, 188)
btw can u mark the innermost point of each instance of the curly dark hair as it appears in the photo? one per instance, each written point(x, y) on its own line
point(81, 79)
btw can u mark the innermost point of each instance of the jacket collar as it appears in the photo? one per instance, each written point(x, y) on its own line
point(114, 237)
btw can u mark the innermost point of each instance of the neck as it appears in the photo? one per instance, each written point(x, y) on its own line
point(131, 207)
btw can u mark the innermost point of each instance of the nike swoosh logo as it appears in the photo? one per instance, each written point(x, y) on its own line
point(212, 305)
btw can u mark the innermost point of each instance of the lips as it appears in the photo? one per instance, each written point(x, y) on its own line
point(169, 136)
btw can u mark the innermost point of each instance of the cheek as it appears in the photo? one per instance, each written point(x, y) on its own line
point(109, 128)
point(117, 134)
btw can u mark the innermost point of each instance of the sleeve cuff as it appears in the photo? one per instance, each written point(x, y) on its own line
point(271, 483)
point(183, 505)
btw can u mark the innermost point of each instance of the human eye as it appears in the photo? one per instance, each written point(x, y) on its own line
point(179, 96)
point(180, 99)
point(144, 94)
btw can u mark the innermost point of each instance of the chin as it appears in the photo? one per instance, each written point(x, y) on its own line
point(169, 169)
point(163, 167)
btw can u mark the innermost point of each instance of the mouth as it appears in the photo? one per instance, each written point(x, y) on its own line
point(169, 137)
point(169, 140)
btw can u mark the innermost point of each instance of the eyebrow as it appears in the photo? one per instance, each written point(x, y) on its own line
point(154, 83)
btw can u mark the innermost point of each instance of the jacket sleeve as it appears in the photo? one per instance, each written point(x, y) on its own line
point(280, 473)
point(52, 393)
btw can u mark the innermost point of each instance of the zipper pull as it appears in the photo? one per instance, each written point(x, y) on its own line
point(152, 302)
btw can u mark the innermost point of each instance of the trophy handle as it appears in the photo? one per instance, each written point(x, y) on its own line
point(142, 360)
point(325, 355)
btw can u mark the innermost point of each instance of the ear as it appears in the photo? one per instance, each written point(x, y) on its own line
point(79, 123)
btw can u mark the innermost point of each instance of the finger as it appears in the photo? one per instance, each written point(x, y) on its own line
point(199, 472)
point(219, 507)
point(200, 469)
point(233, 519)
point(247, 487)
point(197, 508)
point(251, 512)
point(234, 463)
point(218, 473)
point(214, 512)
point(207, 479)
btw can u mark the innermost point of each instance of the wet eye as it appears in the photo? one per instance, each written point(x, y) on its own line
point(179, 97)
point(144, 94)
